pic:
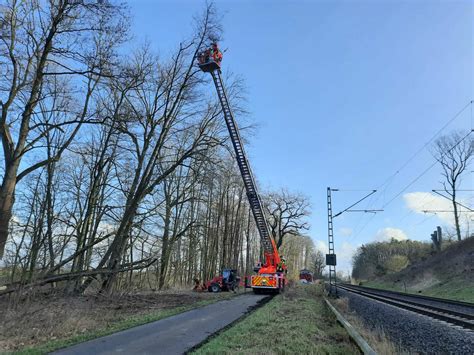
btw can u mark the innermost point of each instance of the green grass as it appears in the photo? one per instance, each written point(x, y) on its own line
point(112, 328)
point(385, 285)
point(454, 289)
point(297, 322)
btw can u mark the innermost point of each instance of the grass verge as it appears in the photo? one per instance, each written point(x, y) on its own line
point(454, 289)
point(114, 327)
point(297, 321)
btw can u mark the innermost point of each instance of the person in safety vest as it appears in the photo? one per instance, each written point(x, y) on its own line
point(216, 54)
point(281, 265)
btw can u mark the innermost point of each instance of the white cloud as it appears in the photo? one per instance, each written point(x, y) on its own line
point(105, 227)
point(346, 251)
point(344, 256)
point(420, 202)
point(426, 201)
point(321, 246)
point(387, 234)
point(15, 219)
point(345, 231)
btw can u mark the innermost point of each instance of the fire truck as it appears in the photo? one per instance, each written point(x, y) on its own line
point(271, 273)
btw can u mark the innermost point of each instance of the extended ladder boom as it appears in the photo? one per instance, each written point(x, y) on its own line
point(271, 251)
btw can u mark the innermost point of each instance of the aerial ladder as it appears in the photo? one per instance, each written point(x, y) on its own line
point(271, 275)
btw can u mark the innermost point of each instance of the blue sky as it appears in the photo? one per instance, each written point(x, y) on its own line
point(344, 93)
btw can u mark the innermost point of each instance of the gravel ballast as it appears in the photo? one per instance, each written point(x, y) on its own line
point(414, 332)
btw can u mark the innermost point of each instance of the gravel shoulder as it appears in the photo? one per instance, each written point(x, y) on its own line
point(415, 333)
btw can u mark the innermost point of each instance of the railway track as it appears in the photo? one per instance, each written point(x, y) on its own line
point(462, 316)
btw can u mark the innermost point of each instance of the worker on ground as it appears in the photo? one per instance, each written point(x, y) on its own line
point(258, 266)
point(231, 281)
point(197, 284)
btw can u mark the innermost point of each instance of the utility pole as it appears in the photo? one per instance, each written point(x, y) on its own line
point(331, 256)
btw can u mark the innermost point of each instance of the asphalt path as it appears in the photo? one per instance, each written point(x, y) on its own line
point(172, 335)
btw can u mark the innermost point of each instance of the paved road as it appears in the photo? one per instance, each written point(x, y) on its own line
point(173, 335)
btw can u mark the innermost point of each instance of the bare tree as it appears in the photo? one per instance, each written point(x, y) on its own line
point(42, 43)
point(287, 214)
point(454, 152)
point(146, 194)
point(297, 250)
point(166, 123)
point(318, 263)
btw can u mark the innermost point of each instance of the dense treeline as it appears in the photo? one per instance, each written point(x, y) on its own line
point(381, 258)
point(117, 170)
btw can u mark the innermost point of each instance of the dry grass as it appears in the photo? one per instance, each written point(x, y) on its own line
point(38, 318)
point(376, 338)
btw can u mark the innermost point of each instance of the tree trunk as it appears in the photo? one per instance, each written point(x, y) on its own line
point(165, 248)
point(7, 198)
point(456, 216)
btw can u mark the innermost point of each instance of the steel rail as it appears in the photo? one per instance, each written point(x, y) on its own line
point(453, 317)
point(423, 297)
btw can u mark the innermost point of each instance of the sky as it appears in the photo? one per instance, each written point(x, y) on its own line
point(347, 95)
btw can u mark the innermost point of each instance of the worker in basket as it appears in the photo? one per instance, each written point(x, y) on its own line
point(203, 57)
point(281, 265)
point(216, 53)
point(211, 54)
